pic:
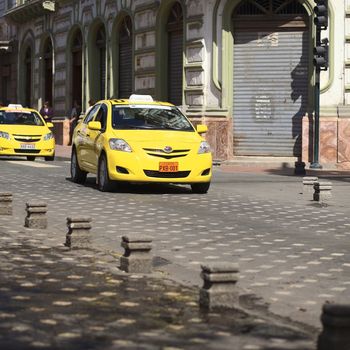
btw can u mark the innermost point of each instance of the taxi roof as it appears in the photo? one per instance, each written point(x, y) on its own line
point(139, 100)
point(16, 108)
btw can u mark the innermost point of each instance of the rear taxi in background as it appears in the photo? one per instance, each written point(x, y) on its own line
point(140, 140)
point(23, 132)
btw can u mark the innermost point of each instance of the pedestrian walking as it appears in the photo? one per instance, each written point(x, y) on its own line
point(46, 111)
point(74, 118)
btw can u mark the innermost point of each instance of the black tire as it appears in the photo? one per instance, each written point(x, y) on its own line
point(104, 184)
point(77, 175)
point(201, 187)
point(50, 158)
point(31, 158)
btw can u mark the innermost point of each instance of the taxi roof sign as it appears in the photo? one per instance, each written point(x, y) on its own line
point(144, 98)
point(15, 106)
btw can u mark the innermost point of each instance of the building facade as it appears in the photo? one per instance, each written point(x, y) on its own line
point(243, 67)
point(8, 58)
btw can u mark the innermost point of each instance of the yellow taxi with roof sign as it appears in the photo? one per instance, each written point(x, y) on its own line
point(23, 132)
point(140, 140)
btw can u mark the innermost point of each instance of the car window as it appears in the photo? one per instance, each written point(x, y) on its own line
point(91, 114)
point(101, 116)
point(149, 117)
point(20, 118)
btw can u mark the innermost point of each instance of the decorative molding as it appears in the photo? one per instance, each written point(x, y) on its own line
point(30, 10)
point(197, 66)
point(344, 111)
point(154, 5)
point(145, 30)
point(144, 51)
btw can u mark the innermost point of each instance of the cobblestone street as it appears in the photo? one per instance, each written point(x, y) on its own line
point(292, 255)
point(53, 298)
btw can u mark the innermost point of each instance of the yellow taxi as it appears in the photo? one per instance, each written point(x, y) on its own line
point(23, 132)
point(140, 140)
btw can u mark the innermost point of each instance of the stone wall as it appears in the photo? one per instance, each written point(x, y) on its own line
point(334, 142)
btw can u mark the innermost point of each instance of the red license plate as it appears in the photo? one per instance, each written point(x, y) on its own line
point(168, 167)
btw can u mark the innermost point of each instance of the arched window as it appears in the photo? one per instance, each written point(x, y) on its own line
point(175, 54)
point(48, 71)
point(101, 62)
point(77, 53)
point(28, 77)
point(125, 58)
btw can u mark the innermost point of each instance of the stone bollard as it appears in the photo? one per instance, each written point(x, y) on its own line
point(336, 327)
point(137, 257)
point(322, 191)
point(36, 215)
point(219, 289)
point(78, 235)
point(6, 203)
point(299, 168)
point(308, 186)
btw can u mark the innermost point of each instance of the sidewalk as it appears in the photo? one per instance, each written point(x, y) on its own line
point(63, 152)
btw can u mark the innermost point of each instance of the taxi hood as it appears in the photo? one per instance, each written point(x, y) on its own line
point(157, 136)
point(24, 129)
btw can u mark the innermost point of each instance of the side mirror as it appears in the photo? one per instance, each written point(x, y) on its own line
point(49, 125)
point(201, 129)
point(94, 125)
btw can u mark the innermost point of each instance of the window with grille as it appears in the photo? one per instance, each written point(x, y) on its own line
point(269, 7)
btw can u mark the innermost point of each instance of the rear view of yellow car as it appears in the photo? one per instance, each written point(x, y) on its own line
point(23, 132)
point(140, 140)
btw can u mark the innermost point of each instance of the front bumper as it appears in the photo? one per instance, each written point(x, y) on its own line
point(39, 149)
point(124, 166)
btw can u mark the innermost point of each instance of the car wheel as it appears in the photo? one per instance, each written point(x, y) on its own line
point(104, 184)
point(31, 158)
point(77, 175)
point(202, 187)
point(50, 158)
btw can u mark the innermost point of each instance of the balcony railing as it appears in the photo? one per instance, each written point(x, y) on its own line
point(22, 11)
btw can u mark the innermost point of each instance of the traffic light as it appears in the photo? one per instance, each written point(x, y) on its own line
point(321, 12)
point(321, 55)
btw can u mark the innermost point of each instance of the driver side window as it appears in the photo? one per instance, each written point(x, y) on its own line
point(101, 116)
point(91, 114)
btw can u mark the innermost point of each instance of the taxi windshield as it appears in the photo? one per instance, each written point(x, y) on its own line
point(20, 118)
point(149, 117)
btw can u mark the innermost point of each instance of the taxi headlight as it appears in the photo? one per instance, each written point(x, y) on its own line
point(204, 147)
point(48, 136)
point(119, 145)
point(4, 135)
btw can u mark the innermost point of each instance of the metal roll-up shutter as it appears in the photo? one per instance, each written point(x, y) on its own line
point(270, 88)
point(175, 62)
point(125, 68)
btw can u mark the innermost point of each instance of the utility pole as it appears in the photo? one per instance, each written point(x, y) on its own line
point(321, 63)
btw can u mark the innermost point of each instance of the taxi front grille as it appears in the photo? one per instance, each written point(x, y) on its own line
point(31, 151)
point(27, 138)
point(178, 153)
point(159, 174)
point(167, 157)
